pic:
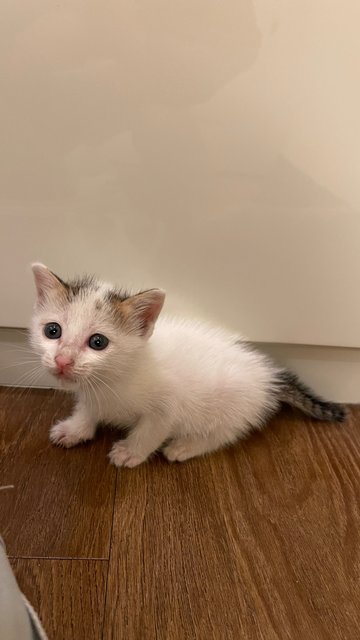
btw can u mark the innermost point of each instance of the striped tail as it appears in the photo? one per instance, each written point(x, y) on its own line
point(293, 392)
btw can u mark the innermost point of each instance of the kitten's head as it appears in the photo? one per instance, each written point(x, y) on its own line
point(86, 330)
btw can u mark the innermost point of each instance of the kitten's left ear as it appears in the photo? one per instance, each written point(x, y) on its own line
point(142, 310)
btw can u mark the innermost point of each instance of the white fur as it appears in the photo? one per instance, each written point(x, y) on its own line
point(189, 388)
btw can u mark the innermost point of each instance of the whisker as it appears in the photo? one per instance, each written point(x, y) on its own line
point(27, 374)
point(100, 388)
point(28, 378)
point(95, 394)
point(19, 364)
point(103, 382)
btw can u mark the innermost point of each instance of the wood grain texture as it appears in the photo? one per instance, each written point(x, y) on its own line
point(258, 542)
point(68, 595)
point(62, 502)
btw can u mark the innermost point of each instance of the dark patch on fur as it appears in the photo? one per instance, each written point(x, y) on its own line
point(82, 285)
point(116, 296)
point(295, 393)
point(78, 286)
point(114, 299)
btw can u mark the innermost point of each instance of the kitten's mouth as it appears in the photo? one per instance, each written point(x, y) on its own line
point(66, 380)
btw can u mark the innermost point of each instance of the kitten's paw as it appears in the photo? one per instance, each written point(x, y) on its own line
point(180, 450)
point(122, 456)
point(65, 434)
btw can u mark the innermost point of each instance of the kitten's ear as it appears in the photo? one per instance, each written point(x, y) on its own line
point(48, 285)
point(142, 310)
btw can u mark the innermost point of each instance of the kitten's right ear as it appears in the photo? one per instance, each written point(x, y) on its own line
point(140, 312)
point(48, 285)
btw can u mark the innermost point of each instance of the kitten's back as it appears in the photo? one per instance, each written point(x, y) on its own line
point(209, 366)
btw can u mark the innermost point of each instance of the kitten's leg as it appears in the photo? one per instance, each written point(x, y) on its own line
point(79, 427)
point(185, 448)
point(145, 438)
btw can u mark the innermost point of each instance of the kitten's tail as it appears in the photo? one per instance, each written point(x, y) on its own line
point(293, 392)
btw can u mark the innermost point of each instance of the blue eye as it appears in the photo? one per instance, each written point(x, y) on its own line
point(98, 342)
point(52, 330)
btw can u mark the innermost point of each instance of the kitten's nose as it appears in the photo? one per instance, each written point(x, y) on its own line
point(63, 363)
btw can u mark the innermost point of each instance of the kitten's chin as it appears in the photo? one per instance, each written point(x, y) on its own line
point(67, 383)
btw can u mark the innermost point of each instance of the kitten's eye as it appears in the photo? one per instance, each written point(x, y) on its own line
point(52, 330)
point(98, 342)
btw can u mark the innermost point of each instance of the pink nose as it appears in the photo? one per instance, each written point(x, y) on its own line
point(63, 363)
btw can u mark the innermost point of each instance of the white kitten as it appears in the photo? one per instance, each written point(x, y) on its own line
point(180, 385)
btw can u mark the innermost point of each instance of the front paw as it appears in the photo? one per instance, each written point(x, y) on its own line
point(180, 450)
point(67, 434)
point(122, 456)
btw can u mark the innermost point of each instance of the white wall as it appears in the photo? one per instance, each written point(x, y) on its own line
point(212, 148)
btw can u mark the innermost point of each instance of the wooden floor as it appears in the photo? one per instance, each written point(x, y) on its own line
point(258, 542)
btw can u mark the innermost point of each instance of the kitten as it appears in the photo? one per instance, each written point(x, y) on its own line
point(180, 385)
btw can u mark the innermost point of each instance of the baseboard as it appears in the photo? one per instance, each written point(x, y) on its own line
point(333, 372)
point(19, 367)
